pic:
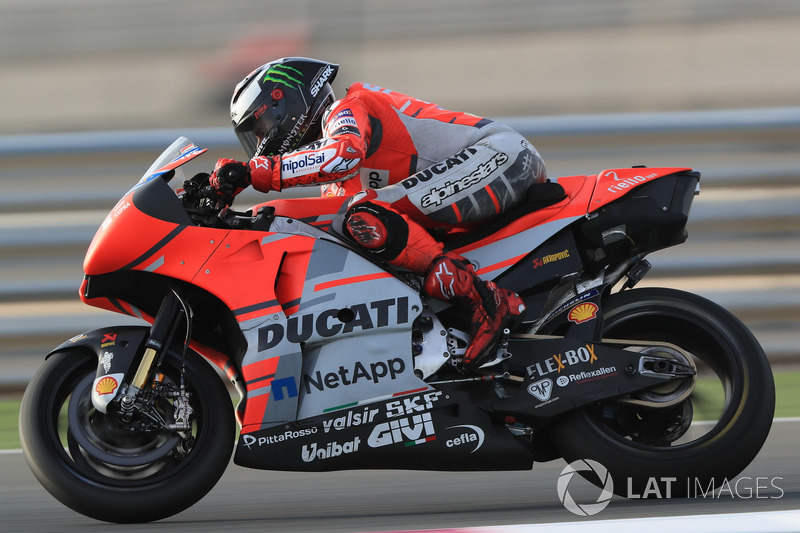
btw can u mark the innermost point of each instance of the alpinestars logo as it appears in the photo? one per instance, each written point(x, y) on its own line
point(369, 235)
point(451, 188)
point(445, 279)
point(284, 75)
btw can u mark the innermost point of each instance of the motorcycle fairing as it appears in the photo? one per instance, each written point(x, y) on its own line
point(422, 429)
point(152, 201)
point(542, 269)
point(495, 254)
point(148, 230)
point(317, 212)
point(317, 279)
point(615, 183)
point(324, 298)
point(341, 333)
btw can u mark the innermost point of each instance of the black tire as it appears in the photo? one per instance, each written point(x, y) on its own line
point(151, 475)
point(643, 451)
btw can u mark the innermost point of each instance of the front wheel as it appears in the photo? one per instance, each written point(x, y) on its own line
point(122, 469)
point(697, 445)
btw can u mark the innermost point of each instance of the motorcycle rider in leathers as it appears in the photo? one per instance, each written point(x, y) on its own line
point(409, 166)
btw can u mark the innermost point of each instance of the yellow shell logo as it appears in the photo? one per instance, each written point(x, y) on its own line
point(107, 385)
point(582, 313)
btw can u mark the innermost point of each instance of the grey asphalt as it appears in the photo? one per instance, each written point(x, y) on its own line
point(249, 500)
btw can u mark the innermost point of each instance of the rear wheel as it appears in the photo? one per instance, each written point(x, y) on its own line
point(122, 469)
point(696, 445)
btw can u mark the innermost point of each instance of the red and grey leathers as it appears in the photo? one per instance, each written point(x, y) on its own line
point(412, 166)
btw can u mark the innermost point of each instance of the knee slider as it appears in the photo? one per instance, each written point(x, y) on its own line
point(379, 230)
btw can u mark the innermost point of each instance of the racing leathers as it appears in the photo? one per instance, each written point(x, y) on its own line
point(412, 167)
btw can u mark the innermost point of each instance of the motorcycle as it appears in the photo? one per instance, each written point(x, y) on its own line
point(339, 361)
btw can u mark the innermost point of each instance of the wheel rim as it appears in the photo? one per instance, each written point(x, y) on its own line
point(712, 406)
point(106, 438)
point(97, 445)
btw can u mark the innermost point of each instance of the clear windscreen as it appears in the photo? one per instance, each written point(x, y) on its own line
point(178, 153)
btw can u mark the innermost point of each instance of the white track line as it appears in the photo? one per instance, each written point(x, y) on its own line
point(763, 522)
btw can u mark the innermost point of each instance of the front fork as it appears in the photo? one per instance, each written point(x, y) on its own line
point(170, 316)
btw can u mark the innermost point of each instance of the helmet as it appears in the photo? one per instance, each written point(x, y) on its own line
point(279, 106)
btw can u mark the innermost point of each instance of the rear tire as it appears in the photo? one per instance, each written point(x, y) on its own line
point(653, 452)
point(100, 467)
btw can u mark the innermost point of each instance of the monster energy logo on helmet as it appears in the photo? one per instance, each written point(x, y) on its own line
point(284, 75)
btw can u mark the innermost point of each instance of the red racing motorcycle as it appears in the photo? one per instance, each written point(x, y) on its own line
point(339, 362)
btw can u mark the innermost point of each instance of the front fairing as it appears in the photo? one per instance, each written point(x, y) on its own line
point(149, 244)
point(150, 216)
point(130, 238)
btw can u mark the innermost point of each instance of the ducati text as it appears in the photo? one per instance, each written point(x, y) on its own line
point(328, 323)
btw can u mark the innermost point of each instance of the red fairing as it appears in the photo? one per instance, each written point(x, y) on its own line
point(613, 183)
point(217, 260)
point(130, 240)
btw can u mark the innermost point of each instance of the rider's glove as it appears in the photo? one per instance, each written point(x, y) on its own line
point(230, 177)
point(265, 174)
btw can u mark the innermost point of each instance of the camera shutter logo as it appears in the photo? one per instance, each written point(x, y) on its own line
point(586, 509)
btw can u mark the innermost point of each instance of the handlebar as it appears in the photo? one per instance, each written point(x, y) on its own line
point(207, 208)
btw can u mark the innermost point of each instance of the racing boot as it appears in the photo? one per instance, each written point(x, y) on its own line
point(453, 279)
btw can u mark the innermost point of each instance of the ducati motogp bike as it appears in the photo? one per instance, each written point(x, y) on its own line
point(326, 358)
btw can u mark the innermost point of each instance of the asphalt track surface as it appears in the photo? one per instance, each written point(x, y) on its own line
point(250, 500)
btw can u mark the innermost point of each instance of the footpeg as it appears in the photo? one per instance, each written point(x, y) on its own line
point(457, 343)
point(502, 350)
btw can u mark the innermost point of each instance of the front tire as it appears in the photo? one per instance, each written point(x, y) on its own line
point(655, 452)
point(105, 468)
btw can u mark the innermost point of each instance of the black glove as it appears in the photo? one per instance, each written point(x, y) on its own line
point(230, 177)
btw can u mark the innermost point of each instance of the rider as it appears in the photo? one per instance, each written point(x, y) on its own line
point(409, 166)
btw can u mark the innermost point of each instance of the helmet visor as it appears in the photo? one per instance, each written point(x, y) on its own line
point(249, 142)
point(255, 131)
point(252, 118)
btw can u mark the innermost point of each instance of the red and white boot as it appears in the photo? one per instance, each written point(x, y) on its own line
point(453, 279)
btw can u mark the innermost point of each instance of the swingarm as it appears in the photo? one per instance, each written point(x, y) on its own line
point(559, 374)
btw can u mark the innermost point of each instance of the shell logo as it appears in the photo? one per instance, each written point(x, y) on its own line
point(107, 385)
point(582, 313)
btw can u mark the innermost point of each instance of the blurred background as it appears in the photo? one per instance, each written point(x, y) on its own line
point(70, 65)
point(709, 84)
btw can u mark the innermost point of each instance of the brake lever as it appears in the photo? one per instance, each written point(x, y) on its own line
point(223, 211)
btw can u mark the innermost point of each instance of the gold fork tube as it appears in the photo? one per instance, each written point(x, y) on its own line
point(140, 378)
